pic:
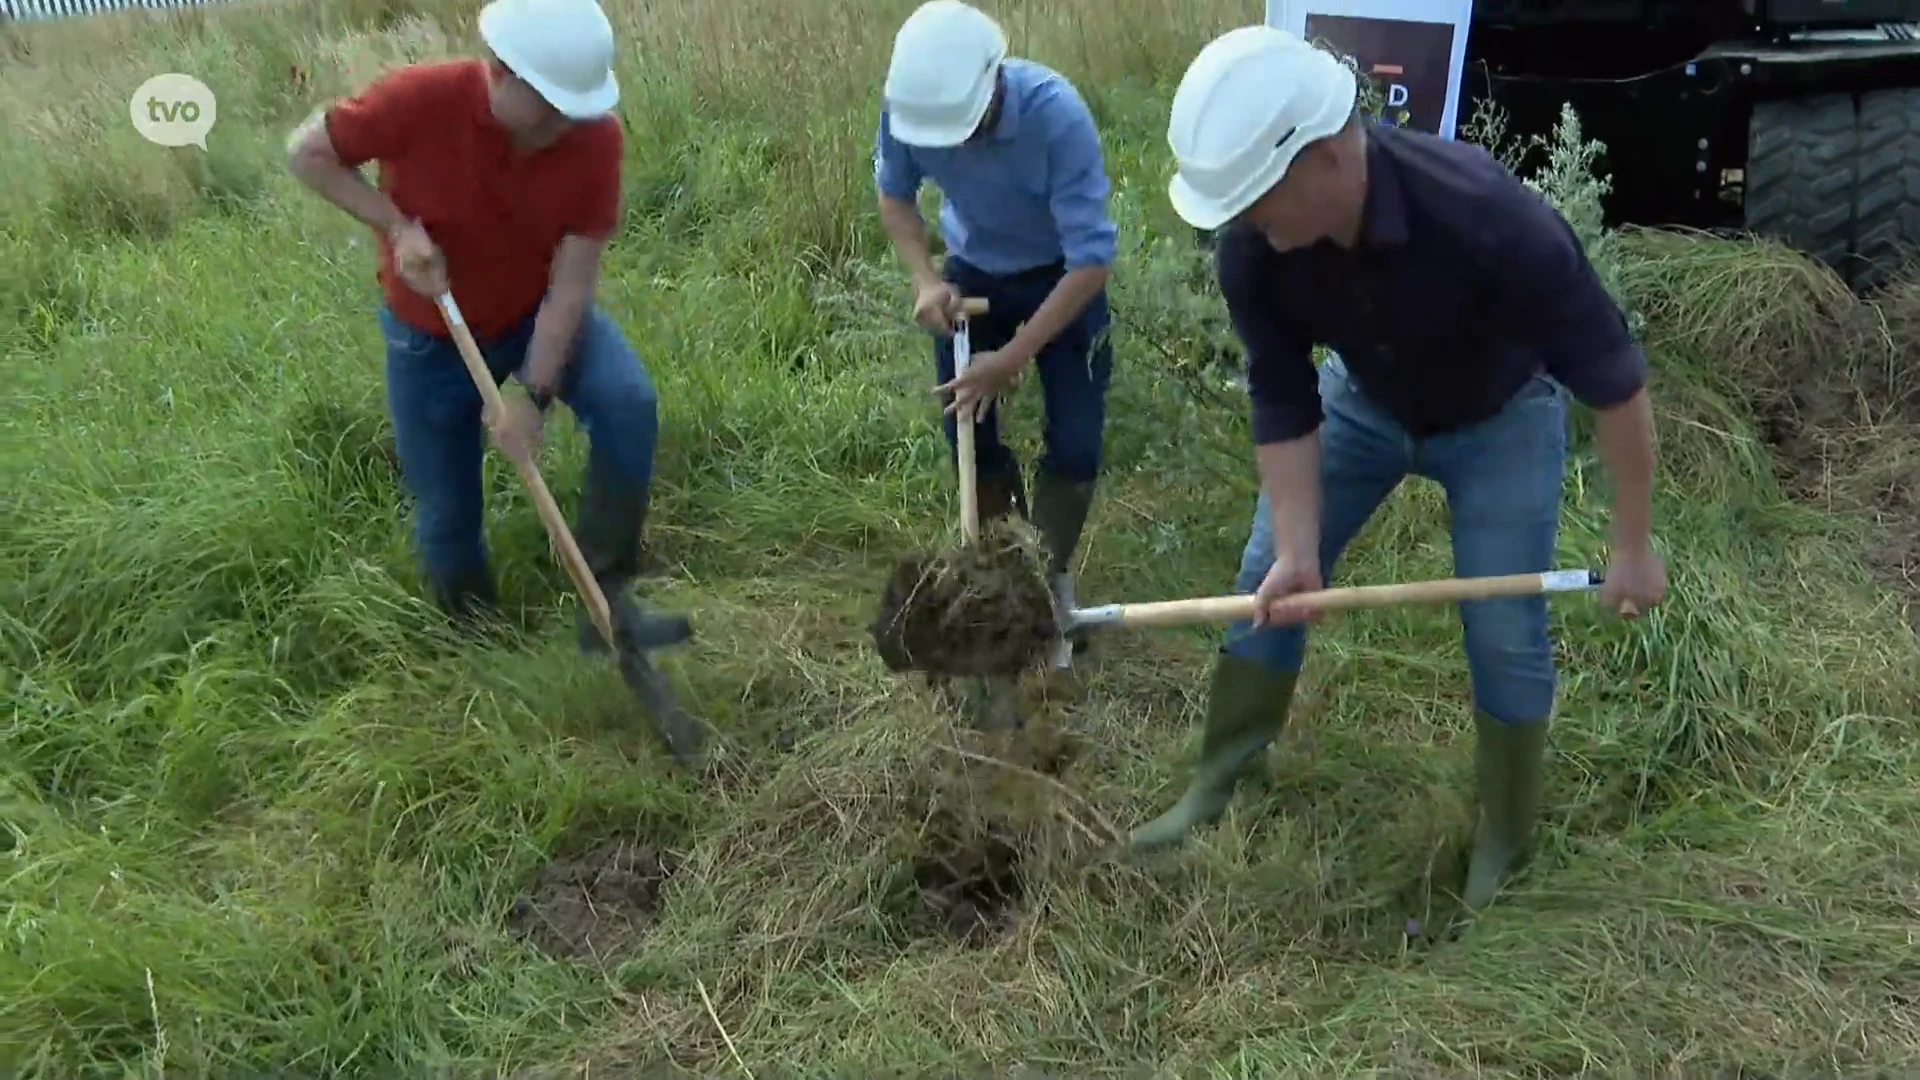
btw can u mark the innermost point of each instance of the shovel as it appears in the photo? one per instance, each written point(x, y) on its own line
point(939, 625)
point(995, 700)
point(1227, 609)
point(963, 430)
point(682, 733)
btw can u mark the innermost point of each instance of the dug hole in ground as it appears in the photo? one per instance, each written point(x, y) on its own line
point(264, 815)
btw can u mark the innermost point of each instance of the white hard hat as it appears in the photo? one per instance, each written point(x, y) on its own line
point(941, 78)
point(1247, 104)
point(561, 48)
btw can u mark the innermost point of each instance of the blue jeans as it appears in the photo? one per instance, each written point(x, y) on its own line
point(1502, 479)
point(440, 439)
point(1075, 370)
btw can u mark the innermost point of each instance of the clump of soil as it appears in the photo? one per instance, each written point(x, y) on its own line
point(983, 610)
point(592, 906)
point(969, 885)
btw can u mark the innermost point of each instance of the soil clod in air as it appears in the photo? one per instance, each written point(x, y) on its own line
point(983, 610)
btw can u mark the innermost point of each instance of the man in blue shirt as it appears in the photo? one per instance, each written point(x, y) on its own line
point(1014, 152)
point(1464, 310)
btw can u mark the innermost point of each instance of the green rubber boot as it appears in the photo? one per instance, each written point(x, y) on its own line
point(611, 518)
point(1247, 707)
point(468, 599)
point(1060, 509)
point(1507, 762)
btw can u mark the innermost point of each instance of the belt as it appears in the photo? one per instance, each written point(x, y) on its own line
point(1053, 269)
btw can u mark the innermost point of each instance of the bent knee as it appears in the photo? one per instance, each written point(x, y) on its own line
point(623, 425)
point(1510, 656)
point(1510, 631)
point(614, 389)
point(1075, 445)
point(1079, 466)
point(634, 399)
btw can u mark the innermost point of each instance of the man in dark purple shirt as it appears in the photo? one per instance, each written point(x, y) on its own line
point(1463, 311)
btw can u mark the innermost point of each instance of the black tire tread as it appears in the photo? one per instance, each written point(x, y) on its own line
point(1802, 160)
point(1886, 201)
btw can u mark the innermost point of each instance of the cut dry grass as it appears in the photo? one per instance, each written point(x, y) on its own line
point(1833, 379)
point(263, 815)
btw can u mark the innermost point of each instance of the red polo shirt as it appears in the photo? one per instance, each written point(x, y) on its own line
point(496, 213)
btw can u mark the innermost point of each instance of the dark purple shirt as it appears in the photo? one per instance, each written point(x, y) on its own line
point(1464, 285)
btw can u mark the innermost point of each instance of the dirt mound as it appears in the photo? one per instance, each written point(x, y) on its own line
point(1833, 378)
point(944, 838)
point(592, 906)
point(989, 818)
point(974, 611)
point(1891, 469)
point(969, 885)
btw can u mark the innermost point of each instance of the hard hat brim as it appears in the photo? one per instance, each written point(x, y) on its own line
point(1208, 212)
point(574, 106)
point(1196, 209)
point(933, 136)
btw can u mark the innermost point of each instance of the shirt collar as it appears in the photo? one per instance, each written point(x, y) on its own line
point(1383, 217)
point(1007, 124)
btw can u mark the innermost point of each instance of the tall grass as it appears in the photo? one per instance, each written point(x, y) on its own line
point(264, 815)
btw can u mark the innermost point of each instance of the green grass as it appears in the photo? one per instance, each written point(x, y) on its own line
point(264, 815)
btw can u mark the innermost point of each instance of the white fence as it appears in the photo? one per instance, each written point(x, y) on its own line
point(30, 10)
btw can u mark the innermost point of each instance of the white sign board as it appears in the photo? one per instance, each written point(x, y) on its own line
point(1415, 50)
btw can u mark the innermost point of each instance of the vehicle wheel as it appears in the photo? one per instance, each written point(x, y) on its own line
point(1801, 155)
point(1886, 201)
point(1839, 178)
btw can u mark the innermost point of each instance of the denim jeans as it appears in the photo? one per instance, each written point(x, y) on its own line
point(1502, 479)
point(1075, 370)
point(440, 438)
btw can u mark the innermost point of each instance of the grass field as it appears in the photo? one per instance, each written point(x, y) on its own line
point(263, 816)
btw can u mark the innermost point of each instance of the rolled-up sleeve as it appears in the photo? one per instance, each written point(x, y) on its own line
point(1545, 282)
point(894, 170)
point(1077, 184)
point(1281, 381)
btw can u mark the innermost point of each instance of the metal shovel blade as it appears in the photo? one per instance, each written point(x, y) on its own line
point(684, 735)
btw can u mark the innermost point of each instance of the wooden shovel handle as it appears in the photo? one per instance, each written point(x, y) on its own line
point(550, 514)
point(969, 484)
point(963, 432)
point(1225, 609)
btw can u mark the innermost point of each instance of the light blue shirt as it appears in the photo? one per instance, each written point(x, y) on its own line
point(1030, 192)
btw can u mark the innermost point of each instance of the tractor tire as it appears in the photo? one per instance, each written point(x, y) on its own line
point(1839, 179)
point(1801, 155)
point(1886, 201)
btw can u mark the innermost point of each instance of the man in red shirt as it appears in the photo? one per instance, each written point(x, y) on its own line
point(500, 183)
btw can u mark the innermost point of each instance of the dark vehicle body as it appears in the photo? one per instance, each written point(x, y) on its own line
point(1797, 119)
